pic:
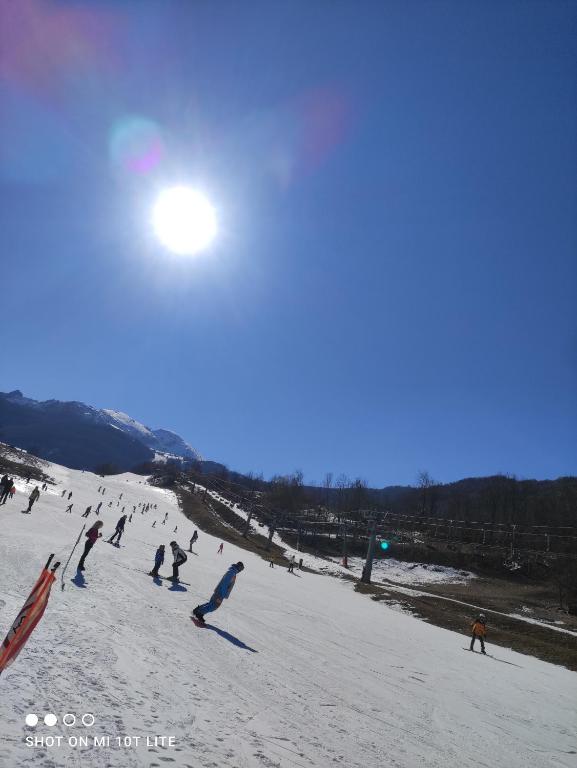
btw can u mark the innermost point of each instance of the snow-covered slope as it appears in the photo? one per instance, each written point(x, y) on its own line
point(291, 671)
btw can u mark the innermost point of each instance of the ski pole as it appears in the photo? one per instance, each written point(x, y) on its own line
point(69, 557)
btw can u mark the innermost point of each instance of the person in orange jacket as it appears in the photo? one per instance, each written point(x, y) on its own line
point(479, 630)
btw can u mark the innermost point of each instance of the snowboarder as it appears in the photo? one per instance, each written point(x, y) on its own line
point(219, 550)
point(291, 564)
point(222, 592)
point(92, 534)
point(86, 512)
point(32, 498)
point(479, 630)
point(118, 531)
point(69, 508)
point(158, 560)
point(179, 558)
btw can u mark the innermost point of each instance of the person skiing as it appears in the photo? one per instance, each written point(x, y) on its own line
point(179, 558)
point(119, 530)
point(69, 495)
point(86, 512)
point(63, 493)
point(158, 560)
point(12, 491)
point(192, 540)
point(165, 516)
point(97, 510)
point(69, 508)
point(7, 485)
point(219, 550)
point(479, 630)
point(92, 534)
point(222, 592)
point(291, 564)
point(32, 498)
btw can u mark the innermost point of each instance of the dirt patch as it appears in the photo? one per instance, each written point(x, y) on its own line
point(220, 521)
point(27, 466)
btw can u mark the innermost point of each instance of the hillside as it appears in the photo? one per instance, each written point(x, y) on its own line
point(291, 671)
point(83, 437)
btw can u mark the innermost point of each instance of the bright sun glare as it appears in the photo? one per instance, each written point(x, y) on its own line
point(184, 220)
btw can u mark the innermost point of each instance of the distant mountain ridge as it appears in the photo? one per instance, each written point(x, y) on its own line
point(82, 437)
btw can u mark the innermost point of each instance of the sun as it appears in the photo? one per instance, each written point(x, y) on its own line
point(184, 220)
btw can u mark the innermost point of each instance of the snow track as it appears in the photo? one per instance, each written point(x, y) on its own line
point(291, 671)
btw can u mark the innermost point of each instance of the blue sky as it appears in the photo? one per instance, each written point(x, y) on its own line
point(393, 285)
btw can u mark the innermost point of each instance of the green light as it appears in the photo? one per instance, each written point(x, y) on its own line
point(384, 544)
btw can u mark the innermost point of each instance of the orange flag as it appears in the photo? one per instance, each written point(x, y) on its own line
point(28, 618)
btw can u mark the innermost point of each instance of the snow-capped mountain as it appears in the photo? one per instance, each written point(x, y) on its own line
point(82, 437)
point(160, 440)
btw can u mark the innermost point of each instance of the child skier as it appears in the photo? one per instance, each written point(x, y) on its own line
point(158, 560)
point(479, 630)
point(222, 592)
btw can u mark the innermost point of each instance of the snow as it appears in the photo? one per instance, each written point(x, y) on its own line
point(127, 422)
point(400, 572)
point(292, 670)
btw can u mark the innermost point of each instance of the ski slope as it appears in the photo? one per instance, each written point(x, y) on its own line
point(293, 670)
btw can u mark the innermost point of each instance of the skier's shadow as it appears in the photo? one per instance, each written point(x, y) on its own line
point(177, 588)
point(156, 580)
point(231, 638)
point(79, 580)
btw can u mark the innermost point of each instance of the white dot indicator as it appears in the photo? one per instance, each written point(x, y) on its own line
point(31, 720)
point(88, 719)
point(69, 719)
point(50, 719)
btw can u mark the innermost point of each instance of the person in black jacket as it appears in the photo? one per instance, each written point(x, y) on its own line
point(119, 531)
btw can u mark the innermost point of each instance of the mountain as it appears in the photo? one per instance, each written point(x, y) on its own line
point(82, 437)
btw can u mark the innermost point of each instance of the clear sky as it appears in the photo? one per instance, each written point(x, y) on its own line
point(394, 283)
